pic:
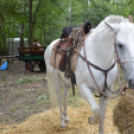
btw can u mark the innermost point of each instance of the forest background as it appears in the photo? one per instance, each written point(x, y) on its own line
point(45, 19)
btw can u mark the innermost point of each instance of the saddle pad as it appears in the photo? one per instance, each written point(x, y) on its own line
point(57, 58)
point(60, 62)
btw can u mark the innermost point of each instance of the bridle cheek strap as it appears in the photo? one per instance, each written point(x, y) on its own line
point(105, 72)
point(118, 59)
point(98, 68)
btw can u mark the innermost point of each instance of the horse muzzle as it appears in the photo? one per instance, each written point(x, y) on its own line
point(131, 83)
point(128, 67)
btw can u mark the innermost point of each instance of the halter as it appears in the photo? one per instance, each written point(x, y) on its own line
point(105, 72)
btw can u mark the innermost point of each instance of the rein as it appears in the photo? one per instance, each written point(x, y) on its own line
point(105, 72)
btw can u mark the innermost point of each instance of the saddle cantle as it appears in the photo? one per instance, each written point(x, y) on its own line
point(59, 54)
point(65, 45)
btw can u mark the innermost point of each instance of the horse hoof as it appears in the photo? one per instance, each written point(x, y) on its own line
point(63, 125)
point(91, 120)
point(67, 120)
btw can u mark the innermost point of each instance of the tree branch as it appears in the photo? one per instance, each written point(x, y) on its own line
point(35, 14)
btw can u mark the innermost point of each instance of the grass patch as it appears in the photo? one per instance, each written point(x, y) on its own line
point(26, 107)
point(42, 102)
point(43, 97)
point(29, 80)
point(13, 109)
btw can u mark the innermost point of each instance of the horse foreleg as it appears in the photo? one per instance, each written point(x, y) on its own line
point(65, 101)
point(103, 105)
point(53, 96)
point(87, 94)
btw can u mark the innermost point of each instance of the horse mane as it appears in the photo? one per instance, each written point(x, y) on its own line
point(112, 19)
point(115, 19)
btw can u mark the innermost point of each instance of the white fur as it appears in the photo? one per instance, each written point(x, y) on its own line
point(100, 51)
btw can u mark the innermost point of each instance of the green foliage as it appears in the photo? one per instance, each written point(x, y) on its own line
point(53, 16)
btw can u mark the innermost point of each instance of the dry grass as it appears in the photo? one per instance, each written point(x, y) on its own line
point(48, 122)
point(124, 113)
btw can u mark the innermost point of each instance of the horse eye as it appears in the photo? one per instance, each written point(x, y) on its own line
point(120, 45)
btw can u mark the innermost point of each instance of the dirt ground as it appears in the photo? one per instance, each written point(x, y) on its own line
point(21, 93)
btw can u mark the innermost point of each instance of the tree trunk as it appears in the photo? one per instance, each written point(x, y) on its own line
point(30, 24)
point(69, 14)
point(0, 32)
point(22, 29)
point(89, 3)
point(22, 35)
point(44, 32)
point(0, 48)
point(0, 41)
point(4, 41)
point(35, 14)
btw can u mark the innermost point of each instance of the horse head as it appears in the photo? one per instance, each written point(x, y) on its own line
point(124, 45)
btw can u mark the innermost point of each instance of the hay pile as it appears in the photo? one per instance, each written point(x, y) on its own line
point(123, 113)
point(48, 123)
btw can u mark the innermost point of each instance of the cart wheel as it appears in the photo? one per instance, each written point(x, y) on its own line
point(29, 67)
point(42, 66)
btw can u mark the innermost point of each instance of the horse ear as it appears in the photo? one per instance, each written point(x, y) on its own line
point(114, 27)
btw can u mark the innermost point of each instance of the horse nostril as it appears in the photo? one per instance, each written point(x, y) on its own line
point(130, 82)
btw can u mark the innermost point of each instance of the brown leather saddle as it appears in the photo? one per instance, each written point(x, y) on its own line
point(65, 45)
point(64, 48)
point(65, 53)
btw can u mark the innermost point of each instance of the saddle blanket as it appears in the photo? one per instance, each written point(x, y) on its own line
point(59, 59)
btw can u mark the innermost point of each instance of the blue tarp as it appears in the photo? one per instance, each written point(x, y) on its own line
point(4, 66)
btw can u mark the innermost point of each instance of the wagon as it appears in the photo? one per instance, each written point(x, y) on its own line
point(32, 56)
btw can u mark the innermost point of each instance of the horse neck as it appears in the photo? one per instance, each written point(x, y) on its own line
point(100, 48)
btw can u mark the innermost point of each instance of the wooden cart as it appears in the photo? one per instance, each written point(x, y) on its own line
point(32, 56)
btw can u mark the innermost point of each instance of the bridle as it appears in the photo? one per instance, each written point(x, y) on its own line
point(105, 72)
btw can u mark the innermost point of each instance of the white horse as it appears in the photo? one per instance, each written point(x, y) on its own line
point(99, 47)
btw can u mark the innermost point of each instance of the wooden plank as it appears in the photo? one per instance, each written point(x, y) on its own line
point(34, 50)
point(25, 52)
point(24, 48)
point(38, 47)
point(38, 51)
